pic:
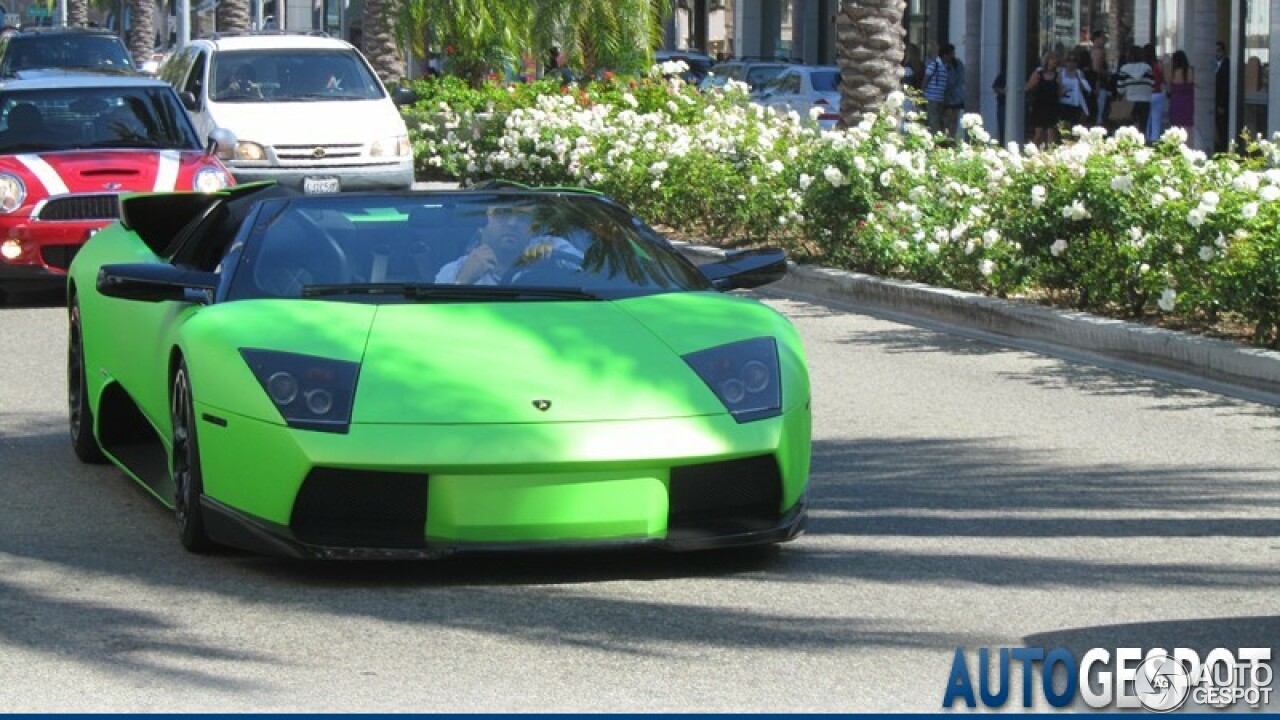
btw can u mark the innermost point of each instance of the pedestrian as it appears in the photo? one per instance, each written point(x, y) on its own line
point(1155, 123)
point(1221, 98)
point(1182, 93)
point(935, 86)
point(1134, 82)
point(912, 68)
point(556, 67)
point(1000, 88)
point(1045, 87)
point(1073, 103)
point(1102, 75)
point(955, 95)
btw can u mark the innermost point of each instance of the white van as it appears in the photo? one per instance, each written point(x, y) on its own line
point(306, 110)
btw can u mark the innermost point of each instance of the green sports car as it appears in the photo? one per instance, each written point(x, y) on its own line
point(414, 374)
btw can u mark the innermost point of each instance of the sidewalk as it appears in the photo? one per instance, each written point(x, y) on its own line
point(1253, 370)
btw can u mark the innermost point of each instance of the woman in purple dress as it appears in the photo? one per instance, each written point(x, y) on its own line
point(1182, 97)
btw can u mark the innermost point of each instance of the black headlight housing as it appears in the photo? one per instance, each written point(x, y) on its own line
point(744, 375)
point(311, 393)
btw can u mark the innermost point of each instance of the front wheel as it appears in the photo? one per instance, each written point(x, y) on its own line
point(185, 464)
point(78, 411)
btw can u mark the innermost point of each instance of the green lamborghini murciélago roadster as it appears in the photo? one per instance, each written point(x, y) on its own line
point(413, 374)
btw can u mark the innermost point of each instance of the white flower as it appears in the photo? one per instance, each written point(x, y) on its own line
point(933, 248)
point(1142, 157)
point(815, 112)
point(986, 267)
point(1270, 193)
point(1058, 247)
point(805, 181)
point(655, 184)
point(941, 235)
point(1197, 216)
point(776, 166)
point(1158, 199)
point(1037, 196)
point(990, 237)
point(1076, 211)
point(658, 168)
point(901, 245)
point(969, 247)
point(1177, 248)
point(1210, 200)
point(1167, 299)
point(1206, 253)
point(1135, 233)
point(1144, 268)
point(859, 163)
point(1175, 134)
point(886, 178)
point(1247, 181)
point(834, 176)
point(894, 102)
point(1122, 183)
point(1221, 241)
point(1249, 211)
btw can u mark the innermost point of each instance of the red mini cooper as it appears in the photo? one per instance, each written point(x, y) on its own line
point(70, 144)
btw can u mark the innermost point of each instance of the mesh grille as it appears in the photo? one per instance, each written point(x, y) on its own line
point(81, 207)
point(725, 497)
point(359, 508)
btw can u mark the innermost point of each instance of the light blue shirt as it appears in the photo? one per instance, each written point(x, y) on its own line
point(449, 273)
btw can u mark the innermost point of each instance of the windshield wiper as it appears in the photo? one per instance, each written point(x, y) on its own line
point(451, 293)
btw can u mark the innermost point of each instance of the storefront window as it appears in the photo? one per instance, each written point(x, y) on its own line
point(1256, 65)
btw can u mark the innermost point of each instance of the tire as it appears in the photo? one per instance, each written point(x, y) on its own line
point(79, 413)
point(185, 465)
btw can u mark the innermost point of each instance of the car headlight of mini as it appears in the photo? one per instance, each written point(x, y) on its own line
point(744, 375)
point(397, 146)
point(12, 192)
point(209, 179)
point(311, 393)
point(250, 151)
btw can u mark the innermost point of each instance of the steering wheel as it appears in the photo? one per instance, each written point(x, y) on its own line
point(313, 256)
point(544, 269)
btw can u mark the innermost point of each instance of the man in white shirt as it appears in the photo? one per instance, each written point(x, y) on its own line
point(506, 242)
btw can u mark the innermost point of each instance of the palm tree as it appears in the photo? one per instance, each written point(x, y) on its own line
point(602, 34)
point(78, 13)
point(379, 22)
point(475, 37)
point(869, 50)
point(232, 16)
point(142, 33)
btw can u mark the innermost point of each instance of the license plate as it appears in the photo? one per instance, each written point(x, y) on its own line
point(312, 185)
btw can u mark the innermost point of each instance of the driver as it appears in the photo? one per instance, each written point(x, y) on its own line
point(506, 243)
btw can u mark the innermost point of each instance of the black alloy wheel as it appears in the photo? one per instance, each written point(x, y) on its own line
point(185, 464)
point(78, 411)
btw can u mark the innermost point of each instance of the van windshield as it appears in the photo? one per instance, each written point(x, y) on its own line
point(249, 76)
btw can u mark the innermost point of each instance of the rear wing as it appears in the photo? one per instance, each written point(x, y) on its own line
point(158, 218)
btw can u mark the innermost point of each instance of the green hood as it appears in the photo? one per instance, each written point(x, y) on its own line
point(490, 362)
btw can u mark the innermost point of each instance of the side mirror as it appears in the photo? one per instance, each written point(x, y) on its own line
point(189, 101)
point(222, 143)
point(404, 95)
point(153, 283)
point(747, 269)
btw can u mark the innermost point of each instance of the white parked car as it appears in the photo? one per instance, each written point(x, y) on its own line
point(802, 88)
point(307, 110)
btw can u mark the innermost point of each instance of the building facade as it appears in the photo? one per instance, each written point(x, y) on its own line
point(1010, 37)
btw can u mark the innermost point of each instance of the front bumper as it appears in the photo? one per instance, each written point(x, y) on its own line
point(47, 249)
point(423, 491)
point(389, 176)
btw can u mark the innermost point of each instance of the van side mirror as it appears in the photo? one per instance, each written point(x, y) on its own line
point(404, 95)
point(189, 101)
point(222, 143)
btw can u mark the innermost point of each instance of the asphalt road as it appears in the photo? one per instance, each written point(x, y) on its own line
point(964, 494)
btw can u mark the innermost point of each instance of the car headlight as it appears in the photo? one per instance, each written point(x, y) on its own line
point(12, 192)
point(311, 393)
point(250, 151)
point(397, 146)
point(744, 375)
point(209, 179)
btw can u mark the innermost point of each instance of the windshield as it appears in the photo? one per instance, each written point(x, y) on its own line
point(451, 248)
point(291, 76)
point(80, 118)
point(103, 52)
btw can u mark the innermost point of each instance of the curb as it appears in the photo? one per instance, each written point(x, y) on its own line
point(1208, 358)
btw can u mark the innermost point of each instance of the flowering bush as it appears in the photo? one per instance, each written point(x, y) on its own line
point(1106, 222)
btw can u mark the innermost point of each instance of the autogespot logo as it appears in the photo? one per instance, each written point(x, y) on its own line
point(1160, 681)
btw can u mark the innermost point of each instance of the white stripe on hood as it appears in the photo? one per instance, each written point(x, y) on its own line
point(45, 173)
point(167, 173)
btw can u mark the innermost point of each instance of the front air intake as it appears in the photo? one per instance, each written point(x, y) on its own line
point(361, 508)
point(732, 496)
